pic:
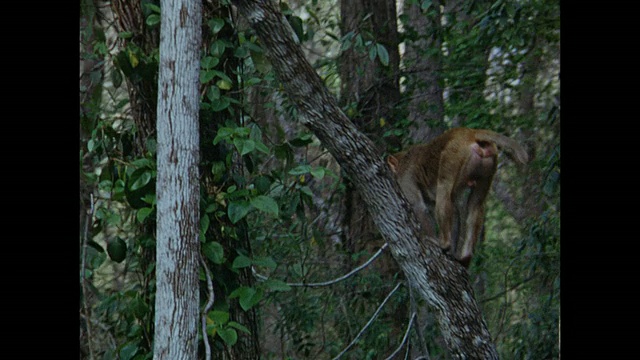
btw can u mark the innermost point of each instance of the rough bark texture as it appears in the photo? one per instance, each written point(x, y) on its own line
point(441, 282)
point(423, 60)
point(178, 190)
point(142, 92)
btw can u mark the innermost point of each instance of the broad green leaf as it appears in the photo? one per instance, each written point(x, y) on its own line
point(265, 261)
point(216, 24)
point(217, 48)
point(214, 252)
point(153, 7)
point(143, 213)
point(238, 210)
point(373, 52)
point(240, 327)
point(241, 262)
point(244, 146)
point(229, 336)
point(317, 173)
point(383, 55)
point(128, 351)
point(213, 93)
point(299, 170)
point(141, 181)
point(262, 184)
point(153, 19)
point(224, 84)
point(223, 134)
point(117, 249)
point(206, 76)
point(425, 4)
point(204, 225)
point(220, 104)
point(265, 204)
point(262, 148)
point(219, 317)
point(248, 297)
point(209, 62)
point(277, 285)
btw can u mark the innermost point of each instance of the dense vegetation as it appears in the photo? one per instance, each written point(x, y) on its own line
point(276, 211)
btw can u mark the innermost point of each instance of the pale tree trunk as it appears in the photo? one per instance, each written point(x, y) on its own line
point(178, 189)
point(443, 283)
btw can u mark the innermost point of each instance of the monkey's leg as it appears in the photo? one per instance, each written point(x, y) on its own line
point(473, 222)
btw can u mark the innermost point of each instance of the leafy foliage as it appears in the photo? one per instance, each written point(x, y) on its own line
point(271, 195)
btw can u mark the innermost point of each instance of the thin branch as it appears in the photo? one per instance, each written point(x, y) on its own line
point(330, 282)
point(373, 317)
point(85, 293)
point(404, 339)
point(208, 306)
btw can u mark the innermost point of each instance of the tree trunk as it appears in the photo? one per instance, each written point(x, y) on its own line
point(178, 188)
point(423, 60)
point(436, 278)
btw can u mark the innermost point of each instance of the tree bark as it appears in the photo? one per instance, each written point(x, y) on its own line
point(178, 188)
point(423, 60)
point(441, 282)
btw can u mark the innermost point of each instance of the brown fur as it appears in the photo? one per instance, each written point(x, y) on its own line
point(441, 171)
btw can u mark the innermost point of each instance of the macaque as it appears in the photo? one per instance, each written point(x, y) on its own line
point(454, 172)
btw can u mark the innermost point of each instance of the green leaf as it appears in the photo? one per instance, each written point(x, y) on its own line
point(262, 184)
point(229, 336)
point(262, 148)
point(241, 262)
point(383, 55)
point(372, 53)
point(217, 48)
point(224, 84)
point(223, 134)
point(299, 170)
point(248, 296)
point(265, 261)
point(238, 210)
point(209, 62)
point(214, 252)
point(425, 5)
point(317, 173)
point(220, 104)
point(244, 146)
point(117, 249)
point(141, 181)
point(277, 285)
point(213, 93)
point(128, 351)
point(143, 214)
point(215, 24)
point(242, 328)
point(204, 225)
point(265, 204)
point(153, 19)
point(219, 317)
point(206, 76)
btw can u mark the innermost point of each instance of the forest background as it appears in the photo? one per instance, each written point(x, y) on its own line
point(275, 204)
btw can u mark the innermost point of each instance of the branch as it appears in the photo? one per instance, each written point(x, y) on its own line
point(208, 306)
point(373, 317)
point(443, 283)
point(83, 279)
point(330, 282)
point(404, 338)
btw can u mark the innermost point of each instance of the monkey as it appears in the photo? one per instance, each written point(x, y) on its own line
point(452, 175)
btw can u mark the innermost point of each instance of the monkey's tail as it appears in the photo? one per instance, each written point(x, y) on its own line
point(504, 142)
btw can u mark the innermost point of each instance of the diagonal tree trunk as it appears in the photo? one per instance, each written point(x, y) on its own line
point(441, 282)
